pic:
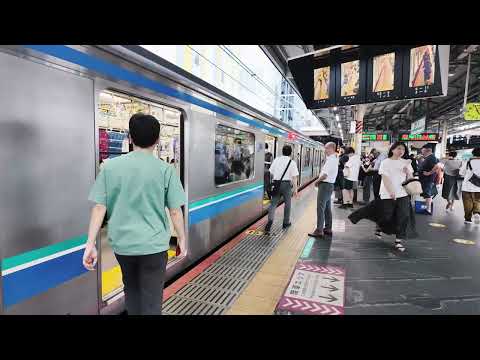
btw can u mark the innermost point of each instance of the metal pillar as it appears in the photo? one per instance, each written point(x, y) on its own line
point(359, 114)
point(467, 81)
point(443, 147)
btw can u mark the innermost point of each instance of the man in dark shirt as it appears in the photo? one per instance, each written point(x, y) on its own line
point(426, 171)
point(339, 186)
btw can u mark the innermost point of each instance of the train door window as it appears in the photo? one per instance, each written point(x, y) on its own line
point(270, 145)
point(114, 112)
point(234, 155)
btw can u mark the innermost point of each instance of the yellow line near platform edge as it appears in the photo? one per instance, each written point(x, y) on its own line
point(437, 225)
point(465, 242)
point(112, 278)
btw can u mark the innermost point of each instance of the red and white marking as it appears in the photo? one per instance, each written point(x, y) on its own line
point(315, 289)
point(309, 307)
point(320, 269)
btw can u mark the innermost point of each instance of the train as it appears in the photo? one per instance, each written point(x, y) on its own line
point(65, 111)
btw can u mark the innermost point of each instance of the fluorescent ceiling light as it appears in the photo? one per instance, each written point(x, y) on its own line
point(337, 117)
point(335, 108)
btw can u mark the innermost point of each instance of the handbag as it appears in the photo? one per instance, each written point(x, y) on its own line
point(275, 185)
point(413, 186)
point(474, 179)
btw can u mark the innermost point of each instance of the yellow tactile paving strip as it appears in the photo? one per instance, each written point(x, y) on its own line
point(262, 294)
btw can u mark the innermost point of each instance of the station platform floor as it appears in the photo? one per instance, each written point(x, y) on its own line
point(350, 273)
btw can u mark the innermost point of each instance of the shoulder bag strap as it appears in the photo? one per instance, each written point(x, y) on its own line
point(285, 170)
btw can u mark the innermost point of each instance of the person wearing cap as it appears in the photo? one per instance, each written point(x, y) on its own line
point(427, 170)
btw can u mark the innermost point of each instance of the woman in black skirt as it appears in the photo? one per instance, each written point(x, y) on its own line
point(452, 184)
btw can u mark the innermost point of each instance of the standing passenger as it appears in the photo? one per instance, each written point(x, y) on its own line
point(395, 202)
point(136, 188)
point(325, 183)
point(471, 192)
point(427, 170)
point(283, 165)
point(339, 182)
point(452, 185)
point(350, 173)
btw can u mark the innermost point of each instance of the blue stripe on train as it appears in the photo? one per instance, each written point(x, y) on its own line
point(24, 284)
point(92, 63)
point(213, 210)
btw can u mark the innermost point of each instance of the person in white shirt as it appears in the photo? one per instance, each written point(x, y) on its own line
point(471, 192)
point(395, 201)
point(283, 165)
point(325, 184)
point(350, 173)
point(377, 179)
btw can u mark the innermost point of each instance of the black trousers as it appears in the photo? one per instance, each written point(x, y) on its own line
point(143, 279)
point(396, 213)
point(377, 181)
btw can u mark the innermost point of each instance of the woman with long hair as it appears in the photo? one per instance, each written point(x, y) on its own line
point(452, 185)
point(395, 201)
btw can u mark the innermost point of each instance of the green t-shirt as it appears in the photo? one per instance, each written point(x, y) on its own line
point(136, 188)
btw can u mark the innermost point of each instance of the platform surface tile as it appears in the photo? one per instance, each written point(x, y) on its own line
point(439, 273)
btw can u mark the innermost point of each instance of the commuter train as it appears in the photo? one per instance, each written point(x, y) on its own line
point(64, 111)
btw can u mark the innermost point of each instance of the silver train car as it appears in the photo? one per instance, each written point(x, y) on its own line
point(64, 112)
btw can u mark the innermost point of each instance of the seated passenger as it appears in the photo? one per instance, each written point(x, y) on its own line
point(136, 188)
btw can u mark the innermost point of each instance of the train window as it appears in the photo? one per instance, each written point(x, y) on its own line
point(234, 155)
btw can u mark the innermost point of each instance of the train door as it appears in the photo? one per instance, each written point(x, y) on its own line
point(270, 155)
point(114, 112)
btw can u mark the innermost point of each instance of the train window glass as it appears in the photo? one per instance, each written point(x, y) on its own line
point(114, 112)
point(269, 156)
point(234, 155)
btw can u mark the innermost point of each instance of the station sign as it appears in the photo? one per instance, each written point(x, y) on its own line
point(419, 137)
point(375, 137)
point(472, 112)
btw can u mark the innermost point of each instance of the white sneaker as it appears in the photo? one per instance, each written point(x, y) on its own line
point(468, 222)
point(476, 219)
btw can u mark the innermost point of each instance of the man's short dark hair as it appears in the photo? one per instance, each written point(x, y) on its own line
point(287, 150)
point(144, 130)
point(349, 150)
point(452, 154)
point(476, 152)
point(429, 146)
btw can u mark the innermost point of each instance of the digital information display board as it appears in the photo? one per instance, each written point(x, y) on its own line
point(375, 137)
point(419, 137)
point(370, 74)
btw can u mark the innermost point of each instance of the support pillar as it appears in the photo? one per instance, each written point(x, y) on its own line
point(359, 114)
point(443, 147)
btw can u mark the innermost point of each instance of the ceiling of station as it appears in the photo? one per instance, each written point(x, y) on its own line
point(398, 115)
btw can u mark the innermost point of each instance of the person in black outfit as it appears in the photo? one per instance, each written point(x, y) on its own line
point(339, 182)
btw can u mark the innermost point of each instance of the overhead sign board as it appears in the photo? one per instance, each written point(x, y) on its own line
point(472, 112)
point(375, 137)
point(418, 126)
point(432, 137)
point(370, 74)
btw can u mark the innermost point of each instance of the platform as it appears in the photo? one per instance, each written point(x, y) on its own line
point(437, 274)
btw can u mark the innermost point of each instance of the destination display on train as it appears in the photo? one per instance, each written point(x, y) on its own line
point(375, 137)
point(419, 137)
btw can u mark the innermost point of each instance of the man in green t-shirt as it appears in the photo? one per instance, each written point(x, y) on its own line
point(134, 191)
